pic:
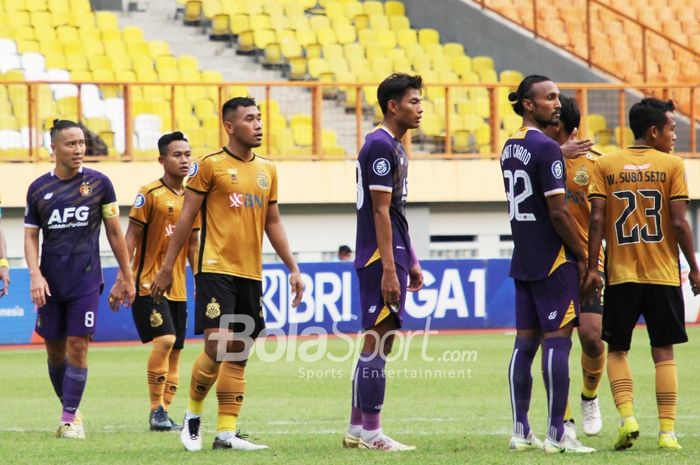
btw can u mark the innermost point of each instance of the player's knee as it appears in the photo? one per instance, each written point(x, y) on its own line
point(76, 351)
point(590, 342)
point(164, 343)
point(662, 354)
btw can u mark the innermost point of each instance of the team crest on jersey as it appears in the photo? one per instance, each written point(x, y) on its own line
point(558, 169)
point(213, 309)
point(171, 207)
point(381, 166)
point(233, 172)
point(581, 177)
point(85, 189)
point(156, 318)
point(139, 201)
point(193, 170)
point(263, 181)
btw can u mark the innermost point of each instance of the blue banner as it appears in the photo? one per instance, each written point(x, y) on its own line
point(457, 294)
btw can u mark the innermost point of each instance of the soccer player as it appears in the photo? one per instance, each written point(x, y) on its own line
point(384, 259)
point(151, 225)
point(638, 197)
point(580, 159)
point(67, 205)
point(547, 259)
point(236, 190)
point(4, 264)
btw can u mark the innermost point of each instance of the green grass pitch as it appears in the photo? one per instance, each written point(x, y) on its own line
point(455, 408)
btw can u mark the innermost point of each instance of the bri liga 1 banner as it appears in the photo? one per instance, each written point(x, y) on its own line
point(457, 294)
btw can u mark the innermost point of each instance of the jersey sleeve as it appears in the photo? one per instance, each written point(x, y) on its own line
point(551, 170)
point(273, 183)
point(380, 165)
point(141, 208)
point(679, 182)
point(596, 188)
point(200, 176)
point(31, 212)
point(110, 207)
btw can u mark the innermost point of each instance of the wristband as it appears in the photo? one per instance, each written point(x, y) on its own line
point(5, 263)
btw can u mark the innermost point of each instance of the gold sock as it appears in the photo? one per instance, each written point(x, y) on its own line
point(567, 412)
point(620, 377)
point(173, 379)
point(230, 391)
point(204, 374)
point(666, 394)
point(592, 368)
point(157, 371)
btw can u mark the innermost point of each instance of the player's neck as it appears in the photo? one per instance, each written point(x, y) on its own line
point(174, 183)
point(395, 130)
point(240, 152)
point(63, 172)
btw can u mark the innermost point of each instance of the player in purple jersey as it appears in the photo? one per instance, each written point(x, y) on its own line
point(4, 264)
point(67, 205)
point(385, 262)
point(547, 261)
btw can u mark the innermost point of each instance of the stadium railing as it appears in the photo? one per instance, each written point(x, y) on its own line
point(440, 143)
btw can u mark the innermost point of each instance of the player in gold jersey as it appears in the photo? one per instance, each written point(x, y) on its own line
point(236, 190)
point(580, 160)
point(638, 197)
point(152, 220)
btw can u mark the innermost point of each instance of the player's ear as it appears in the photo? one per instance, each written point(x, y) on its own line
point(228, 126)
point(393, 106)
point(653, 132)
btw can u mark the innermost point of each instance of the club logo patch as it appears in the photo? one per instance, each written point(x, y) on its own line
point(156, 319)
point(139, 201)
point(233, 172)
point(193, 170)
point(558, 169)
point(263, 181)
point(213, 309)
point(581, 177)
point(85, 189)
point(381, 166)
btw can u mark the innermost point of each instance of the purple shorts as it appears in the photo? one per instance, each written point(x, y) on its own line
point(372, 306)
point(61, 318)
point(548, 304)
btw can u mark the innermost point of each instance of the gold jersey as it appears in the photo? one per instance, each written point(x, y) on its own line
point(578, 180)
point(638, 183)
point(157, 208)
point(237, 195)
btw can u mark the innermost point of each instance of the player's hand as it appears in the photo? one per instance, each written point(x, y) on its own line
point(39, 289)
point(391, 290)
point(694, 278)
point(297, 286)
point(592, 284)
point(5, 278)
point(162, 284)
point(574, 148)
point(415, 282)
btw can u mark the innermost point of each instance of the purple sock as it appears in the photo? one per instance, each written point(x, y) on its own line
point(371, 385)
point(355, 411)
point(73, 387)
point(56, 373)
point(556, 380)
point(520, 381)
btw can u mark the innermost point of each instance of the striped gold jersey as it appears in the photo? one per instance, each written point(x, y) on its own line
point(638, 183)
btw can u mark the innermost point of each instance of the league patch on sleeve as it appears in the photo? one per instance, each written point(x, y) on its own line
point(194, 169)
point(558, 169)
point(139, 201)
point(381, 167)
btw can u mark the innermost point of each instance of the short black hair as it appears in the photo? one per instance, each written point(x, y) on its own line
point(570, 115)
point(395, 86)
point(233, 104)
point(166, 139)
point(524, 91)
point(649, 112)
point(344, 249)
point(59, 125)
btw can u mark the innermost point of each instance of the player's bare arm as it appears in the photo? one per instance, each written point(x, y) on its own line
point(596, 229)
point(391, 288)
point(4, 266)
point(134, 234)
point(278, 238)
point(574, 147)
point(183, 230)
point(684, 236)
point(124, 289)
point(38, 286)
point(563, 224)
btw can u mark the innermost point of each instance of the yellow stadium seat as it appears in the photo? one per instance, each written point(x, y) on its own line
point(428, 36)
point(334, 9)
point(106, 20)
point(361, 21)
point(297, 68)
point(453, 49)
point(373, 7)
point(487, 75)
point(21, 18)
point(399, 23)
point(346, 34)
point(628, 136)
point(158, 48)
point(482, 62)
point(210, 8)
point(326, 36)
point(220, 27)
point(165, 62)
point(57, 5)
point(394, 8)
point(272, 54)
point(406, 37)
point(132, 34)
point(91, 34)
point(378, 22)
point(23, 33)
point(186, 63)
point(99, 62)
point(103, 75)
point(461, 65)
point(114, 48)
point(240, 23)
point(120, 62)
point(317, 66)
point(291, 48)
point(246, 42)
point(93, 48)
point(258, 22)
point(41, 19)
point(67, 107)
point(80, 6)
point(109, 35)
point(27, 46)
point(54, 60)
point(511, 77)
point(193, 12)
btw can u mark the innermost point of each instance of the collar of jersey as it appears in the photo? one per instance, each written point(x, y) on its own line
point(236, 156)
point(80, 171)
point(387, 131)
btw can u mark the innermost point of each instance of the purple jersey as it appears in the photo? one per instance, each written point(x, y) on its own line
point(69, 213)
point(382, 165)
point(533, 169)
